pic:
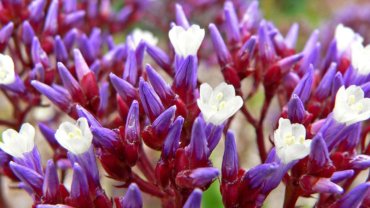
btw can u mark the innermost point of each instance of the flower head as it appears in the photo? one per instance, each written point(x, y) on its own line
point(186, 41)
point(345, 37)
point(360, 58)
point(290, 141)
point(7, 75)
point(139, 35)
point(351, 106)
point(218, 104)
point(76, 138)
point(17, 143)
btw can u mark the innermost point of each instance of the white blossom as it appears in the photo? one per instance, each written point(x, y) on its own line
point(76, 138)
point(148, 37)
point(218, 104)
point(7, 74)
point(186, 41)
point(351, 106)
point(17, 143)
point(345, 36)
point(290, 141)
point(360, 58)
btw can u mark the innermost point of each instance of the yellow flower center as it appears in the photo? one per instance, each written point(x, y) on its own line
point(76, 134)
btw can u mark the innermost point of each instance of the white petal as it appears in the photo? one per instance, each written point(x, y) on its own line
point(7, 74)
point(285, 126)
point(295, 152)
point(298, 131)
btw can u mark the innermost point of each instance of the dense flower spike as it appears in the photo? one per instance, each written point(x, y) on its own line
point(155, 124)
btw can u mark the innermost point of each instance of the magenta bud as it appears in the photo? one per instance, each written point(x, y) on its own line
point(71, 84)
point(150, 101)
point(172, 140)
point(130, 72)
point(159, 85)
point(27, 33)
point(50, 187)
point(304, 87)
point(79, 195)
point(38, 54)
point(197, 149)
point(51, 21)
point(323, 90)
point(219, 45)
point(199, 177)
point(125, 90)
point(60, 50)
point(296, 111)
point(230, 162)
point(29, 177)
point(231, 23)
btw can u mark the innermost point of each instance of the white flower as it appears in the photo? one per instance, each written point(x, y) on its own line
point(76, 138)
point(345, 37)
point(360, 58)
point(290, 141)
point(7, 74)
point(218, 104)
point(186, 42)
point(351, 106)
point(138, 35)
point(16, 144)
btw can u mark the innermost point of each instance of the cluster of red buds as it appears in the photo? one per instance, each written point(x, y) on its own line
point(133, 96)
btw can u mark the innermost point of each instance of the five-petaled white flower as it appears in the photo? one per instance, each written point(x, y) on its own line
point(148, 37)
point(360, 58)
point(345, 37)
point(76, 138)
point(218, 104)
point(7, 74)
point(186, 41)
point(351, 106)
point(290, 141)
point(17, 143)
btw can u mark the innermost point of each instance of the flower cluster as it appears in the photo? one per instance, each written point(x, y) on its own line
point(133, 98)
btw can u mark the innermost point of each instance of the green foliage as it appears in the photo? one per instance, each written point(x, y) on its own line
point(212, 196)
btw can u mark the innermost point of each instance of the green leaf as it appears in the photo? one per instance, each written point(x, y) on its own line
point(212, 196)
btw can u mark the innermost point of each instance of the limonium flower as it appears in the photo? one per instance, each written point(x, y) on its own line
point(351, 106)
point(360, 58)
point(345, 36)
point(218, 104)
point(290, 141)
point(17, 143)
point(186, 41)
point(147, 36)
point(76, 138)
point(7, 75)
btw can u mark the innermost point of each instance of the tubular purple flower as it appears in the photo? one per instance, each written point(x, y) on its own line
point(287, 63)
point(310, 58)
point(252, 16)
point(197, 149)
point(159, 56)
point(247, 50)
point(219, 45)
point(95, 67)
point(57, 97)
point(51, 21)
point(36, 9)
point(132, 129)
point(80, 187)
point(74, 18)
point(304, 87)
point(29, 177)
point(311, 42)
point(82, 112)
point(160, 86)
point(124, 14)
point(331, 55)
point(38, 73)
point(86, 49)
point(123, 88)
point(265, 47)
point(104, 93)
point(323, 90)
point(60, 50)
point(150, 101)
point(360, 162)
point(296, 111)
point(366, 88)
point(324, 185)
point(5, 33)
point(92, 9)
point(104, 137)
point(38, 54)
point(319, 155)
point(17, 86)
point(172, 140)
point(230, 161)
point(80, 64)
point(181, 19)
point(48, 134)
point(130, 72)
point(194, 200)
point(350, 137)
point(71, 84)
point(132, 198)
point(70, 6)
point(259, 175)
point(70, 38)
point(199, 177)
point(163, 122)
point(213, 133)
point(341, 175)
point(186, 74)
point(337, 83)
point(292, 36)
point(231, 23)
point(354, 197)
point(27, 33)
point(50, 186)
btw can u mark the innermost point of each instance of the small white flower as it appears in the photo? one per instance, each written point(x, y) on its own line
point(186, 42)
point(360, 58)
point(76, 138)
point(138, 35)
point(218, 104)
point(17, 143)
point(351, 106)
point(7, 74)
point(345, 37)
point(290, 141)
